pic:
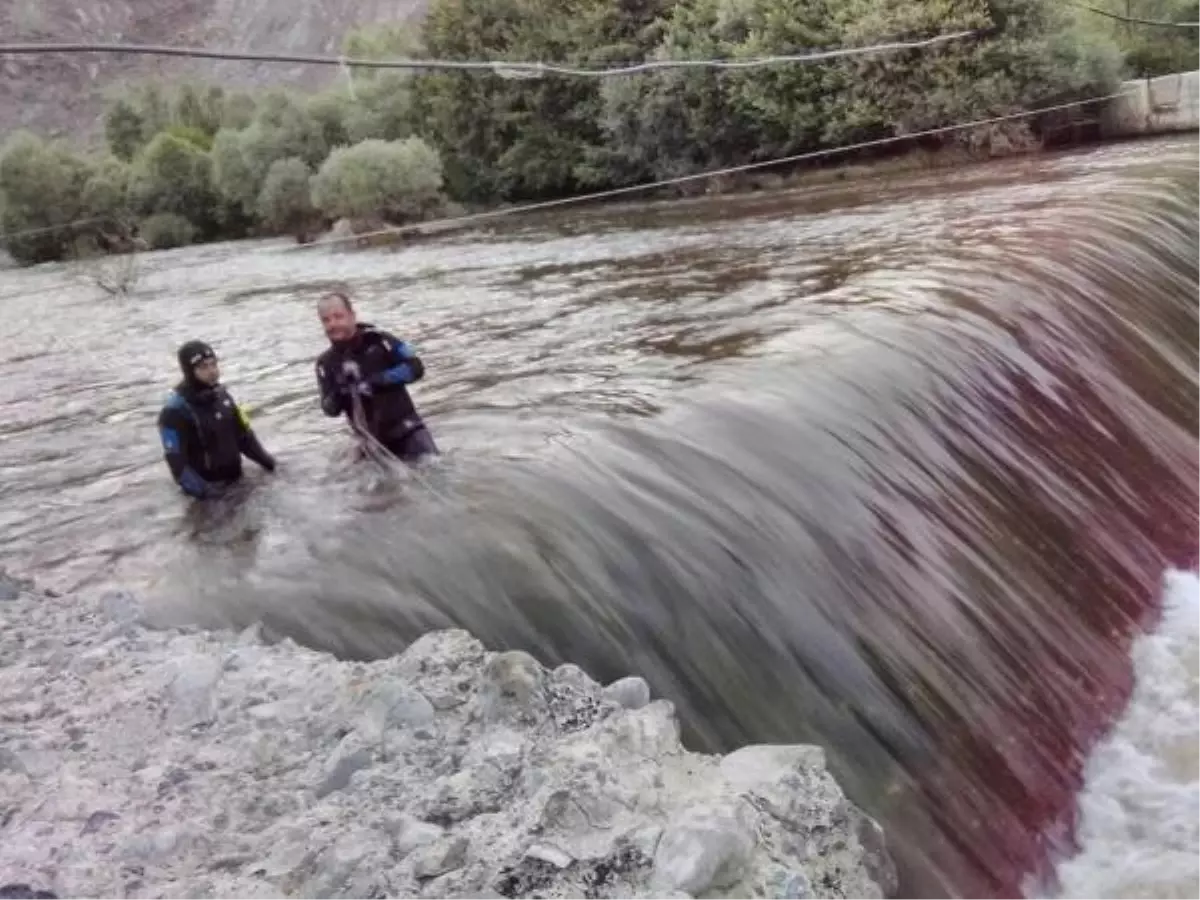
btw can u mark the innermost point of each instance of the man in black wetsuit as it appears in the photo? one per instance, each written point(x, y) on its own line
point(204, 432)
point(367, 369)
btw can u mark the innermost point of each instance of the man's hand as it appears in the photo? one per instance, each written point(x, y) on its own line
point(352, 381)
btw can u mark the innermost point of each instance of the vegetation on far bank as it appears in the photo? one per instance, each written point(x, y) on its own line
point(198, 163)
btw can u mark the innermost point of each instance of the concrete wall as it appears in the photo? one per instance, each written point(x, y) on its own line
point(1160, 105)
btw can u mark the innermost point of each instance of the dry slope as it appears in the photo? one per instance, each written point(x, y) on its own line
point(63, 93)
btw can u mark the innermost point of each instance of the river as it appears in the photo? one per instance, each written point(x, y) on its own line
point(896, 466)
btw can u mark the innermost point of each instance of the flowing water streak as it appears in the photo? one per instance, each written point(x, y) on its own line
point(925, 544)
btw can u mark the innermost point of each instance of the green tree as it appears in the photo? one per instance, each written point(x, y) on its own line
point(678, 121)
point(329, 111)
point(282, 129)
point(237, 110)
point(397, 181)
point(284, 206)
point(199, 107)
point(382, 108)
point(1032, 55)
point(165, 231)
point(395, 40)
point(509, 138)
point(106, 192)
point(175, 176)
point(123, 129)
point(1148, 50)
point(41, 198)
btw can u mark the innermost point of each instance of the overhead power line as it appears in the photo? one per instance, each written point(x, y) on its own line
point(499, 67)
point(1159, 23)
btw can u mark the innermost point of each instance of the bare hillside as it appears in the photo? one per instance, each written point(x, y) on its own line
point(64, 93)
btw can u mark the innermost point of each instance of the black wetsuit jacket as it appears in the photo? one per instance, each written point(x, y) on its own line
point(386, 364)
point(204, 436)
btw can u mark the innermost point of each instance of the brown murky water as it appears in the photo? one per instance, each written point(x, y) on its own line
point(896, 468)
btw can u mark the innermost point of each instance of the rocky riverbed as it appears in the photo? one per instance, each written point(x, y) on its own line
point(150, 763)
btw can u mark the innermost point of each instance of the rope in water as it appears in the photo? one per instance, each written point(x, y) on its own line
point(379, 453)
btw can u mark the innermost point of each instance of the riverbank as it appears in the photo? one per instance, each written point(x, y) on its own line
point(145, 763)
point(1085, 127)
point(820, 175)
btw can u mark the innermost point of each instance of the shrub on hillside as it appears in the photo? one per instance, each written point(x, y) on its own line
point(282, 129)
point(41, 198)
point(165, 231)
point(395, 180)
point(284, 206)
point(171, 175)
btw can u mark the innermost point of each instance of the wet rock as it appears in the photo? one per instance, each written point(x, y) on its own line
point(191, 700)
point(8, 589)
point(352, 866)
point(14, 890)
point(12, 587)
point(120, 607)
point(194, 764)
point(350, 757)
point(704, 848)
point(512, 688)
point(10, 762)
point(411, 834)
point(442, 856)
point(97, 820)
point(394, 704)
point(631, 693)
point(876, 860)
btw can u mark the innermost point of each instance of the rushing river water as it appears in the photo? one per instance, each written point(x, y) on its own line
point(896, 468)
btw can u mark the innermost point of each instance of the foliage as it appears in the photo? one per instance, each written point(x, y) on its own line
point(164, 231)
point(394, 180)
point(1148, 51)
point(284, 204)
point(283, 128)
point(106, 193)
point(41, 197)
point(172, 175)
point(386, 143)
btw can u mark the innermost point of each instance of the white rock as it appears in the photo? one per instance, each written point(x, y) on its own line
point(414, 833)
point(169, 763)
point(10, 588)
point(631, 692)
point(120, 607)
point(512, 687)
point(349, 758)
point(438, 858)
point(704, 848)
point(190, 694)
point(394, 704)
point(552, 855)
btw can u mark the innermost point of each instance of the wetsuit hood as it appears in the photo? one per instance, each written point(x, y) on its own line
point(189, 355)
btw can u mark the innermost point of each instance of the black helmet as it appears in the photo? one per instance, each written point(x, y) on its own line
point(191, 354)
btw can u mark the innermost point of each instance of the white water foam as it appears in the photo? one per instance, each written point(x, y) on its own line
point(1139, 826)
